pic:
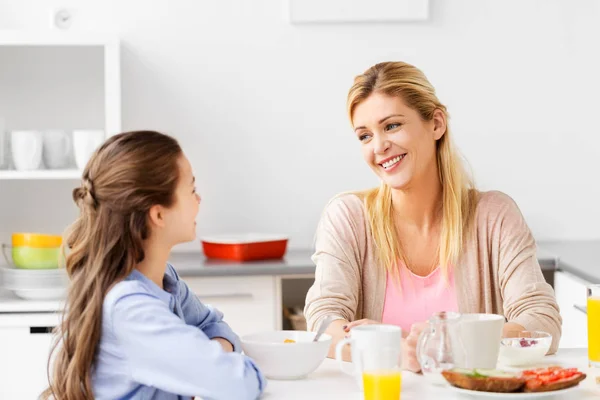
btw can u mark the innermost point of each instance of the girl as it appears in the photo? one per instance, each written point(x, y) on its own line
point(132, 329)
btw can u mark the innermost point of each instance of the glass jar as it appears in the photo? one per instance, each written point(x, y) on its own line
point(440, 347)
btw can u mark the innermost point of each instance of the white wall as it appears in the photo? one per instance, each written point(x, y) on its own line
point(259, 104)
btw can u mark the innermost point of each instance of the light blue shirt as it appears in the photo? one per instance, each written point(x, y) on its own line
point(156, 345)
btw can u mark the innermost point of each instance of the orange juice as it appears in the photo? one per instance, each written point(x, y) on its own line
point(593, 314)
point(382, 385)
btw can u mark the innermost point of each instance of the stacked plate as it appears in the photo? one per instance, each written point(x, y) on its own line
point(31, 284)
point(32, 272)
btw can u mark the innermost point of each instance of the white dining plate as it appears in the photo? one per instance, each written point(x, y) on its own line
point(494, 395)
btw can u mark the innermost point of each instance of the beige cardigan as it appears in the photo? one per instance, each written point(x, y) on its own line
point(497, 273)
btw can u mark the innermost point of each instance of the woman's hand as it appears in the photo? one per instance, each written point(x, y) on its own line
point(409, 347)
point(359, 322)
point(511, 327)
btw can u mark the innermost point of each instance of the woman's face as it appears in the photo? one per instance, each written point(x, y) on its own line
point(396, 143)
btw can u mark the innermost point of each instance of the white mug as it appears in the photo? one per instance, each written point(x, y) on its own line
point(365, 337)
point(480, 336)
point(57, 148)
point(85, 142)
point(3, 146)
point(26, 148)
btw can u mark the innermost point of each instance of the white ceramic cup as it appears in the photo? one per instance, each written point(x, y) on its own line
point(26, 149)
point(85, 142)
point(480, 336)
point(365, 337)
point(3, 146)
point(57, 148)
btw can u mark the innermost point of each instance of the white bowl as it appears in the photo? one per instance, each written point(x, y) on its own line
point(280, 360)
point(520, 349)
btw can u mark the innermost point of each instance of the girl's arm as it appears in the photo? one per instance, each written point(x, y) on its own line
point(165, 352)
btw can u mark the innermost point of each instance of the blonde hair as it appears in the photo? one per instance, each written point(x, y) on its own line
point(126, 176)
point(458, 197)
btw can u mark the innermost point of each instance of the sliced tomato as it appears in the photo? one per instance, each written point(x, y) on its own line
point(533, 383)
point(550, 374)
point(529, 372)
point(571, 378)
point(548, 378)
point(569, 372)
point(535, 380)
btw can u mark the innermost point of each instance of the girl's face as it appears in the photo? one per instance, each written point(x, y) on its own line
point(180, 218)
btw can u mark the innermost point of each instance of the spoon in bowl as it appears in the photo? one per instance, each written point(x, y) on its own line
point(328, 319)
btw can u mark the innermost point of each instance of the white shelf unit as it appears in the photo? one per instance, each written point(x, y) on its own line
point(41, 174)
point(62, 42)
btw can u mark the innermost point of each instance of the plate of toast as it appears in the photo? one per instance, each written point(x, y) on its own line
point(528, 384)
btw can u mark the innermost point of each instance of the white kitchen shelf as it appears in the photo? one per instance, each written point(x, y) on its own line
point(61, 43)
point(55, 38)
point(9, 303)
point(41, 174)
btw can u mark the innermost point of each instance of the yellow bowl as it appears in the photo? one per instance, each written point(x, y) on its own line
point(36, 240)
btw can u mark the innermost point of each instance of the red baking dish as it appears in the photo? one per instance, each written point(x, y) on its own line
point(245, 247)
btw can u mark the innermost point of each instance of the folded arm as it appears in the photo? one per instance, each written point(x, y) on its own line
point(165, 352)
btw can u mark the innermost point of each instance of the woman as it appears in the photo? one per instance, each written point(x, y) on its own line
point(425, 240)
point(132, 328)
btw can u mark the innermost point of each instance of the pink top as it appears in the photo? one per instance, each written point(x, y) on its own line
point(419, 297)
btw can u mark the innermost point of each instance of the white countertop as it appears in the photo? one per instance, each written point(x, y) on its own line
point(328, 382)
point(9, 303)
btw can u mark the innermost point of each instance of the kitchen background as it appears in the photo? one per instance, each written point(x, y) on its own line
point(258, 103)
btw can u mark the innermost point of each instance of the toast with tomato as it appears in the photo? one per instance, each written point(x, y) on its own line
point(534, 380)
point(550, 379)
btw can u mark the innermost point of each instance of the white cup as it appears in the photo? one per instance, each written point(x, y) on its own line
point(370, 337)
point(26, 149)
point(480, 335)
point(3, 146)
point(57, 148)
point(85, 142)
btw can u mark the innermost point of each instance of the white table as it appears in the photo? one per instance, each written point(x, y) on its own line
point(328, 382)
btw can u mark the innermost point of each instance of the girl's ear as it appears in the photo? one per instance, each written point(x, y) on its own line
point(155, 216)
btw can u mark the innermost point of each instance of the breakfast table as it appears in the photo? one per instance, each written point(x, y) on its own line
point(329, 382)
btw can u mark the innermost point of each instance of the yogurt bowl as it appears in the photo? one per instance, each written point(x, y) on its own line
point(519, 349)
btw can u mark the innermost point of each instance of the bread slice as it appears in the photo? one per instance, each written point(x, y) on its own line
point(533, 385)
point(484, 380)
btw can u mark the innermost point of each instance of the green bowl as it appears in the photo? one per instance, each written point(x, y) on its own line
point(35, 257)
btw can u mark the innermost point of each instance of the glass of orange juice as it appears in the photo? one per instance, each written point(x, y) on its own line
point(381, 373)
point(593, 316)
